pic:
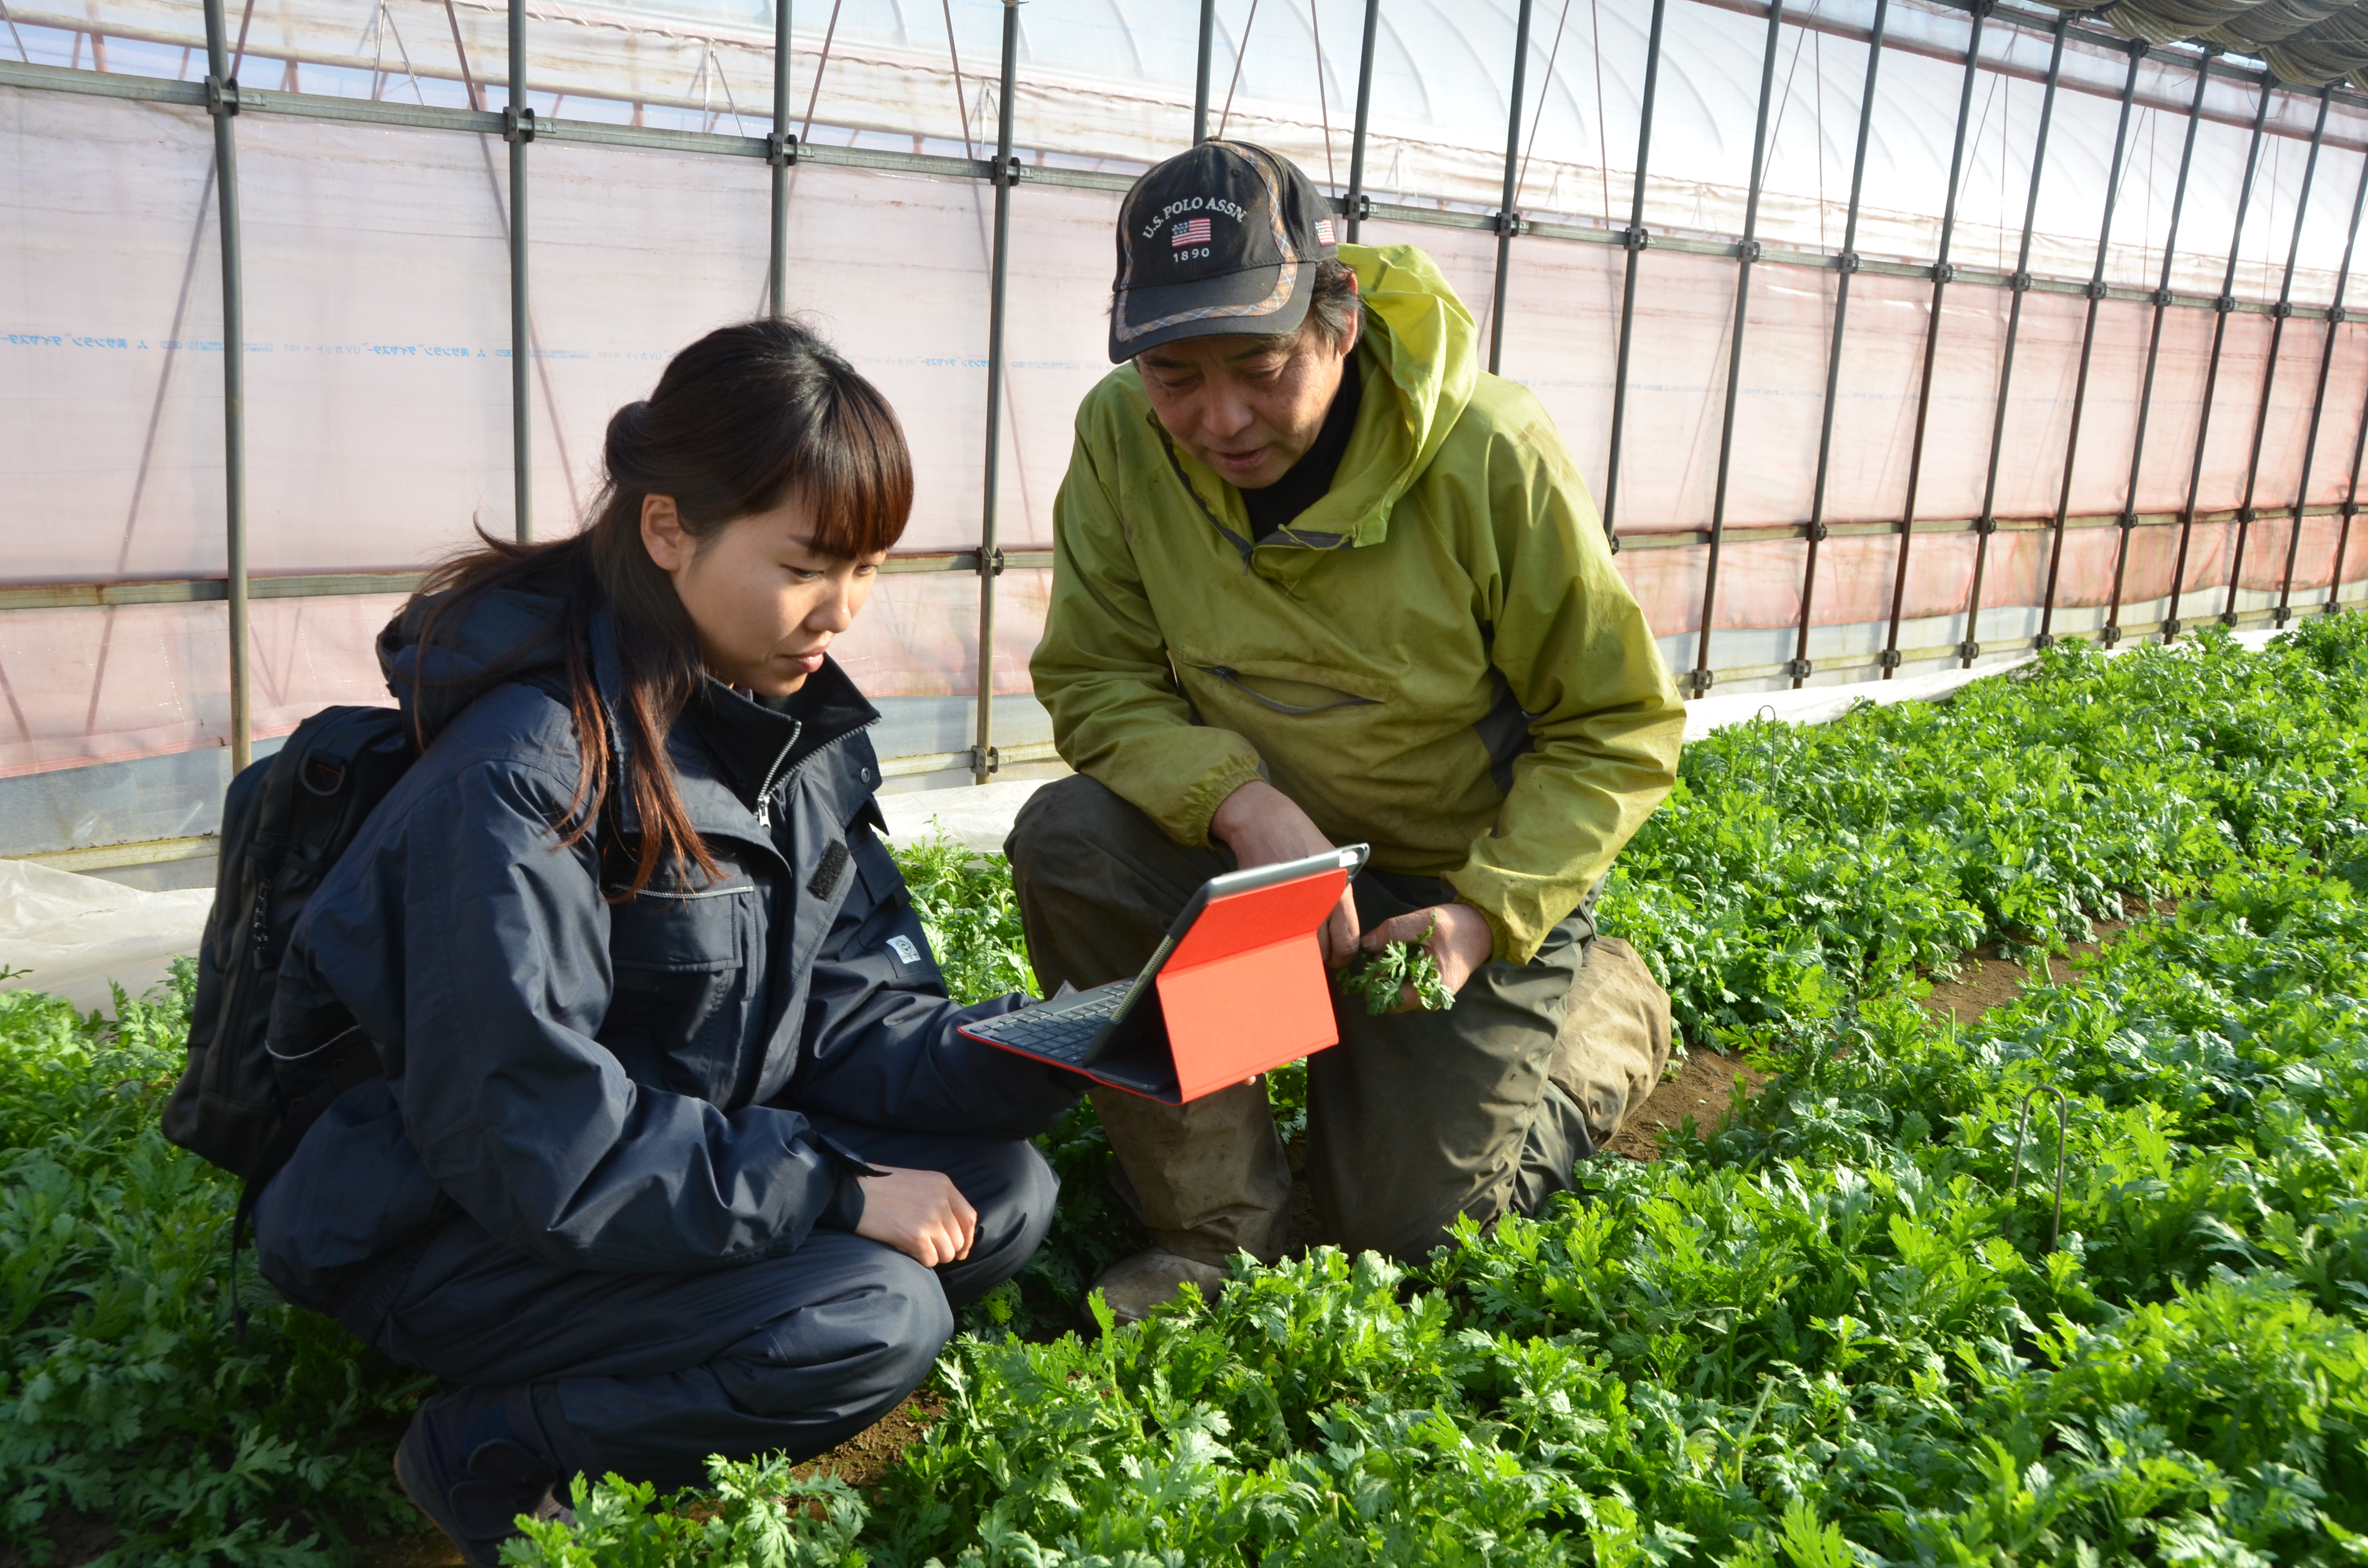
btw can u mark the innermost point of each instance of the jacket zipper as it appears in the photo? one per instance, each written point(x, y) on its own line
point(773, 775)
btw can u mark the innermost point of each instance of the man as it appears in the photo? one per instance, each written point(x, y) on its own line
point(1318, 581)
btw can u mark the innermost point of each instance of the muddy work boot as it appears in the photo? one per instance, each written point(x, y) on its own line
point(466, 1466)
point(1135, 1285)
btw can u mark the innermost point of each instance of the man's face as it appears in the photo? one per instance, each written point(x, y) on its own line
point(1249, 407)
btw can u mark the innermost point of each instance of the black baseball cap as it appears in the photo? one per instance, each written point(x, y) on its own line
point(1222, 239)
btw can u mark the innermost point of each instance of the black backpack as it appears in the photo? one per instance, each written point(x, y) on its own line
point(285, 821)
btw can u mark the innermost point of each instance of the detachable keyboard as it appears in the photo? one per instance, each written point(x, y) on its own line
point(1063, 1032)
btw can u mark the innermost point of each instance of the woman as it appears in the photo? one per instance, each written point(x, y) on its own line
point(676, 1152)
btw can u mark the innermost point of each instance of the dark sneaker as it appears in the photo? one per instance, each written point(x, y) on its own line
point(469, 1470)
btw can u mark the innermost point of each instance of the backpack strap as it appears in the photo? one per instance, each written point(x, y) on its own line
point(352, 1059)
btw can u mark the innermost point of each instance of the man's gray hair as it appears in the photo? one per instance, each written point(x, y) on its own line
point(1335, 304)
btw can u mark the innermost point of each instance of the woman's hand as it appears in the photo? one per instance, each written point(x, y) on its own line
point(1263, 827)
point(920, 1213)
point(1456, 934)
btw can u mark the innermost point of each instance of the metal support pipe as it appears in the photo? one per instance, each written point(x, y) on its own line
point(2318, 401)
point(2350, 510)
point(2088, 349)
point(782, 152)
point(1637, 238)
point(518, 129)
point(1201, 85)
point(1698, 679)
point(2269, 371)
point(1847, 263)
point(221, 103)
point(983, 759)
point(1986, 525)
point(1356, 206)
point(1941, 272)
point(2227, 303)
point(1509, 222)
point(2112, 633)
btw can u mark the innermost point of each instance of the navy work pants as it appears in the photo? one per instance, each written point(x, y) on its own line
point(648, 1374)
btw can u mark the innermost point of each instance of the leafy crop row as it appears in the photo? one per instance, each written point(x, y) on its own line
point(1826, 1335)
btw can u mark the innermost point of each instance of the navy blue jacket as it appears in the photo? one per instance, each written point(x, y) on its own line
point(614, 1087)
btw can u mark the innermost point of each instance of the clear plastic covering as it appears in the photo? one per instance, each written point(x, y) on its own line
point(378, 334)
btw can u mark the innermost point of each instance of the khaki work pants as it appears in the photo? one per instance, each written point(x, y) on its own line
point(1413, 1119)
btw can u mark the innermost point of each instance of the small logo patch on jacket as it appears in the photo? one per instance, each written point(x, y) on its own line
point(903, 948)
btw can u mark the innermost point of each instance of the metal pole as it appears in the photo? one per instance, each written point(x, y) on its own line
point(2350, 510)
point(1698, 679)
point(1201, 88)
point(221, 103)
point(2318, 398)
point(1941, 273)
point(2129, 521)
point(1356, 209)
point(1637, 239)
point(990, 558)
point(2269, 371)
point(2087, 350)
point(2224, 305)
point(1986, 524)
point(1847, 262)
point(781, 154)
point(518, 129)
point(1509, 222)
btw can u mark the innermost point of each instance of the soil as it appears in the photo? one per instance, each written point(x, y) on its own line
point(1701, 1091)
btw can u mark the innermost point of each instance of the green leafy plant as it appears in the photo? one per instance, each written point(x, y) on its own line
point(1381, 976)
point(1832, 1332)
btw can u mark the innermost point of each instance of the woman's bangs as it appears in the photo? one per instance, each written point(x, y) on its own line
point(856, 474)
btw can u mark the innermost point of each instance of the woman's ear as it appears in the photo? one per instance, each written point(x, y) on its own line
point(662, 534)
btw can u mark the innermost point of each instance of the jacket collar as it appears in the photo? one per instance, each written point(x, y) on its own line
point(727, 748)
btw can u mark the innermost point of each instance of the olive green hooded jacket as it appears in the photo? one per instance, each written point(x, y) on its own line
point(1437, 658)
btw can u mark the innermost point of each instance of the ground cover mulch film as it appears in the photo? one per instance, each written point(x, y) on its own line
point(1825, 1326)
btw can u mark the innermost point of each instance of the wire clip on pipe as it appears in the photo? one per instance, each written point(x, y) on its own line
point(984, 759)
point(1006, 171)
point(2096, 289)
point(991, 564)
point(2170, 629)
point(1890, 659)
point(2129, 520)
point(2109, 636)
point(2022, 1126)
point(1846, 261)
point(2225, 303)
point(1986, 525)
point(2227, 618)
point(2043, 642)
point(1698, 681)
point(1637, 237)
point(517, 124)
point(2282, 310)
point(2019, 281)
point(2164, 298)
point(1510, 223)
point(1799, 669)
point(2336, 316)
point(780, 149)
point(1750, 250)
point(1969, 650)
point(1944, 272)
point(222, 97)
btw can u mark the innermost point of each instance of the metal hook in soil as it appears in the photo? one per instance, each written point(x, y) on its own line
point(2021, 1126)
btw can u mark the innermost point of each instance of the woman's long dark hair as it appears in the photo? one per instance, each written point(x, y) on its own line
point(742, 419)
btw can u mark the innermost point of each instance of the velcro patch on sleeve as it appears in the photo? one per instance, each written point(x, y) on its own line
point(824, 881)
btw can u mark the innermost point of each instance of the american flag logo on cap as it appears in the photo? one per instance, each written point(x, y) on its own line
point(1323, 231)
point(1193, 232)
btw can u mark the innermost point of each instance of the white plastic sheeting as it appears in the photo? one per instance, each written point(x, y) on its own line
point(74, 935)
point(377, 301)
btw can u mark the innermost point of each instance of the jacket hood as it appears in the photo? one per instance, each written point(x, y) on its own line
point(509, 634)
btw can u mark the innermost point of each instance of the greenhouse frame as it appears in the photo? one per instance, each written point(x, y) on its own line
point(1890, 335)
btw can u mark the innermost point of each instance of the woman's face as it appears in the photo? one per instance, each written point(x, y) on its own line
point(765, 604)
